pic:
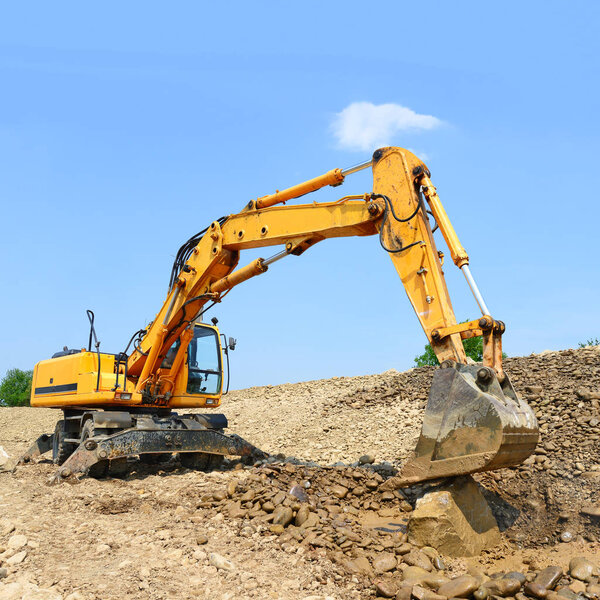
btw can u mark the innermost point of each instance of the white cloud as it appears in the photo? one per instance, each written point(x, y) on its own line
point(367, 126)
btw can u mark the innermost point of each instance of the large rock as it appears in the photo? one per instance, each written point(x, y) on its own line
point(455, 519)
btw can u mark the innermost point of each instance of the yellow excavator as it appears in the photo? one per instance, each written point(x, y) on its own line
point(120, 406)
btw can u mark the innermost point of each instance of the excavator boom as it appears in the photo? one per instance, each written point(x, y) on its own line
point(474, 420)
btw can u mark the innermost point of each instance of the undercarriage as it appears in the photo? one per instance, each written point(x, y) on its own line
point(95, 442)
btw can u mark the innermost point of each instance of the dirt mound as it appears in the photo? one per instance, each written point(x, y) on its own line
point(298, 529)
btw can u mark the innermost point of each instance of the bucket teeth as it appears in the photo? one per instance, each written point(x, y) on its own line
point(472, 423)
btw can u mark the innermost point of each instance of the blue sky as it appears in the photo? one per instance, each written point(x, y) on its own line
point(127, 127)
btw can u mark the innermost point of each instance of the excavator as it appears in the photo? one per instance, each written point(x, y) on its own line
point(119, 407)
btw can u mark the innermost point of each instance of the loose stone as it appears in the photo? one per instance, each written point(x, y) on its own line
point(220, 562)
point(404, 548)
point(282, 515)
point(358, 566)
point(385, 589)
point(537, 590)
point(549, 577)
point(567, 593)
point(384, 562)
point(503, 587)
point(578, 587)
point(481, 593)
point(461, 587)
point(415, 574)
point(16, 542)
point(435, 580)
point(17, 559)
point(593, 590)
point(339, 491)
point(405, 592)
point(581, 568)
point(421, 593)
point(302, 514)
point(515, 575)
point(299, 492)
point(416, 558)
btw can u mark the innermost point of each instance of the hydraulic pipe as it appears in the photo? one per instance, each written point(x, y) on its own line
point(171, 304)
point(152, 356)
point(185, 339)
point(358, 167)
point(275, 258)
point(478, 297)
point(458, 253)
point(256, 267)
point(333, 177)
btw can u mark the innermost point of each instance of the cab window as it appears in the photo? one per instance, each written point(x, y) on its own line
point(204, 362)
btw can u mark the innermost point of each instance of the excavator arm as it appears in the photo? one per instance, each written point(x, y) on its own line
point(394, 210)
point(474, 419)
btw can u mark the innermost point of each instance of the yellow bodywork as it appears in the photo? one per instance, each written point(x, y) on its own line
point(72, 381)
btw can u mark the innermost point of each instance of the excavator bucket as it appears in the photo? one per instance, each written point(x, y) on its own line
point(472, 423)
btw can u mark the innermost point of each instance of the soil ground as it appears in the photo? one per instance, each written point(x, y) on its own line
point(164, 532)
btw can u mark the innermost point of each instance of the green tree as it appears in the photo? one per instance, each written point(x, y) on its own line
point(15, 388)
point(473, 349)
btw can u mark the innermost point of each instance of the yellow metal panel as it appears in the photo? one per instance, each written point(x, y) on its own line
point(71, 380)
point(279, 224)
point(419, 266)
point(55, 378)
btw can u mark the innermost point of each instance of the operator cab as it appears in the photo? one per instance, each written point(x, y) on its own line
point(203, 361)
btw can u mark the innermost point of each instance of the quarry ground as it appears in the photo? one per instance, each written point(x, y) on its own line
point(168, 532)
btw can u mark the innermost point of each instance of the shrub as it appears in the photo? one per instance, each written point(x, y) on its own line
point(590, 342)
point(473, 349)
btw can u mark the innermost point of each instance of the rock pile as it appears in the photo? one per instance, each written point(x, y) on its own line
point(557, 490)
point(348, 515)
point(550, 583)
point(390, 388)
point(330, 508)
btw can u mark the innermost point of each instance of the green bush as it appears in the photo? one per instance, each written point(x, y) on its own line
point(473, 349)
point(15, 388)
point(590, 342)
